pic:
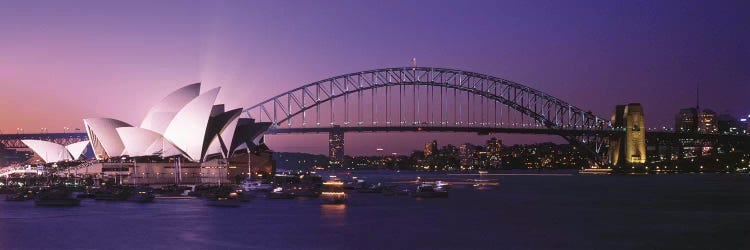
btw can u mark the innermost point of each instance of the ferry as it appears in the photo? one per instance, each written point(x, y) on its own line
point(596, 171)
point(333, 191)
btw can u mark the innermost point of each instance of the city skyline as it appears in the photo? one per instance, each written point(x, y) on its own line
point(65, 59)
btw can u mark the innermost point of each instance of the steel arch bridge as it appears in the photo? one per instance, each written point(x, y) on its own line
point(416, 98)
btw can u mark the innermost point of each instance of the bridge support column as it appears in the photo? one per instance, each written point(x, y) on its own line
point(336, 147)
point(629, 149)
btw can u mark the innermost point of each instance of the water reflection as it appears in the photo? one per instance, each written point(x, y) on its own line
point(334, 214)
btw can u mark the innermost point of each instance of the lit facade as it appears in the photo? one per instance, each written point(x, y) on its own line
point(494, 157)
point(466, 155)
point(630, 148)
point(707, 122)
point(336, 148)
point(686, 121)
point(430, 148)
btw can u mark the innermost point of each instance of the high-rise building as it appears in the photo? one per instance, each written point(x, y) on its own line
point(336, 148)
point(728, 124)
point(494, 147)
point(630, 148)
point(686, 121)
point(430, 148)
point(708, 123)
point(466, 155)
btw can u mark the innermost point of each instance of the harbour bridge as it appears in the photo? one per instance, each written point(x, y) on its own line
point(424, 99)
point(415, 99)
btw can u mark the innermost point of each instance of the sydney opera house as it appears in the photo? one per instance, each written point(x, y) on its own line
point(184, 138)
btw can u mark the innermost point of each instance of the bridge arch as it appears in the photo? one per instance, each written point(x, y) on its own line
point(544, 109)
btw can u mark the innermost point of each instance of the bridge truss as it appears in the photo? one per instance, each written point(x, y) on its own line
point(426, 98)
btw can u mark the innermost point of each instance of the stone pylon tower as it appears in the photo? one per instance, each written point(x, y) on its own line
point(630, 148)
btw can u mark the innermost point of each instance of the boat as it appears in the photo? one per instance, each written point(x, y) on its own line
point(371, 189)
point(355, 184)
point(596, 171)
point(333, 192)
point(243, 196)
point(113, 194)
point(84, 195)
point(223, 201)
point(279, 193)
point(429, 191)
point(142, 195)
point(57, 198)
point(256, 185)
point(20, 196)
point(442, 186)
point(304, 191)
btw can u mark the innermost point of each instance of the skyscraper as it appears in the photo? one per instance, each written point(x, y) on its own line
point(466, 155)
point(336, 148)
point(430, 148)
point(686, 121)
point(494, 146)
point(708, 123)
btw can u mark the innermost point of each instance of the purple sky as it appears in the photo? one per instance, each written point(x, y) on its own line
point(61, 61)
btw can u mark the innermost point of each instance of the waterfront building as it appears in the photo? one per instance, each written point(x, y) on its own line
point(186, 126)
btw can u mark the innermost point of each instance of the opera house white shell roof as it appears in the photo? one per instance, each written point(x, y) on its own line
point(104, 138)
point(159, 117)
point(185, 123)
point(52, 152)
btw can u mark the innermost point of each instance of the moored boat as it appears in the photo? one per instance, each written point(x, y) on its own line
point(142, 195)
point(223, 201)
point(57, 198)
point(20, 196)
point(256, 185)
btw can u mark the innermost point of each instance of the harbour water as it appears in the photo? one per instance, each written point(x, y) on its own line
point(539, 211)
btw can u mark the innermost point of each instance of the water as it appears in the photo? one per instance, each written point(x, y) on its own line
point(701, 211)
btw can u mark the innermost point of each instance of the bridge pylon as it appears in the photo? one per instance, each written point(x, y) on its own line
point(628, 149)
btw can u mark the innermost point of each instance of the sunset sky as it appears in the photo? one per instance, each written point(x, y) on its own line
point(62, 61)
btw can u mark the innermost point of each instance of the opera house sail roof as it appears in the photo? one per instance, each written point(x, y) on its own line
point(185, 123)
point(52, 152)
